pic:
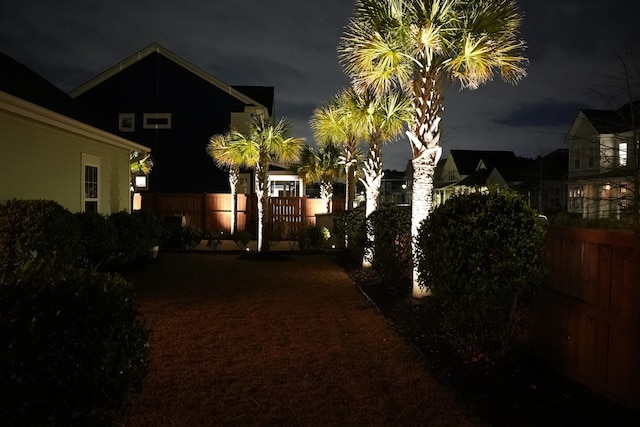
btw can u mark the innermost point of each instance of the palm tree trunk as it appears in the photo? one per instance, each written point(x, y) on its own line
point(233, 185)
point(326, 194)
point(425, 143)
point(261, 182)
point(372, 180)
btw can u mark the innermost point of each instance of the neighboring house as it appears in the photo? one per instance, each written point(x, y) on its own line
point(160, 100)
point(52, 149)
point(393, 188)
point(553, 173)
point(603, 161)
point(466, 171)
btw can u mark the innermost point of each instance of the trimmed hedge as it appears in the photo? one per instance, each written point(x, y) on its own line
point(73, 347)
point(392, 253)
point(480, 256)
point(37, 229)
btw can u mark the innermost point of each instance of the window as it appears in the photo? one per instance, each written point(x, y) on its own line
point(622, 154)
point(575, 197)
point(156, 121)
point(90, 183)
point(127, 122)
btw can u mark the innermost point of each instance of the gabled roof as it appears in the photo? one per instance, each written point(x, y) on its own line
point(614, 121)
point(156, 48)
point(467, 161)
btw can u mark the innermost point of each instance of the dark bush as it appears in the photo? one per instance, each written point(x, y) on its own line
point(73, 347)
point(37, 229)
point(480, 256)
point(153, 230)
point(99, 240)
point(190, 236)
point(392, 252)
point(312, 237)
point(350, 226)
point(131, 238)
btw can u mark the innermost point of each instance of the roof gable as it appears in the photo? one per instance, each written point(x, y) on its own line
point(469, 161)
point(155, 48)
point(614, 121)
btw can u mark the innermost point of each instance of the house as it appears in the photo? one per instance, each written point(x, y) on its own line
point(52, 148)
point(393, 188)
point(465, 171)
point(553, 173)
point(603, 159)
point(162, 101)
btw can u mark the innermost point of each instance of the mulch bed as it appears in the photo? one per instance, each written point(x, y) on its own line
point(279, 342)
point(517, 391)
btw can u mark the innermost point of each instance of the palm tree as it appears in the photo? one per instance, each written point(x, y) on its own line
point(263, 144)
point(383, 117)
point(322, 167)
point(415, 44)
point(218, 148)
point(333, 124)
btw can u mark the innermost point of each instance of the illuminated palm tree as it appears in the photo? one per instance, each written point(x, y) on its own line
point(383, 116)
point(262, 145)
point(323, 167)
point(218, 148)
point(333, 124)
point(415, 44)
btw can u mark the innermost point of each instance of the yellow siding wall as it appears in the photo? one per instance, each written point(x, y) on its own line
point(38, 161)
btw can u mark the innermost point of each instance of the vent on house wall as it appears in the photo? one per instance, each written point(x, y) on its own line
point(127, 122)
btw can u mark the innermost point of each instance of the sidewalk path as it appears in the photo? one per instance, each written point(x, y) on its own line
point(289, 343)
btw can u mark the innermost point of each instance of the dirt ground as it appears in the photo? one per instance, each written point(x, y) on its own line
point(286, 342)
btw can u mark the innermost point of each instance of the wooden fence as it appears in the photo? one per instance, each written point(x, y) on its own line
point(213, 211)
point(587, 321)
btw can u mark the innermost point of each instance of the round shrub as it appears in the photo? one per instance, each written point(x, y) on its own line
point(73, 347)
point(351, 226)
point(392, 252)
point(479, 254)
point(312, 237)
point(37, 229)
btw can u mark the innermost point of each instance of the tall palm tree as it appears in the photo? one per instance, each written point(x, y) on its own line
point(323, 167)
point(218, 149)
point(414, 45)
point(263, 144)
point(332, 123)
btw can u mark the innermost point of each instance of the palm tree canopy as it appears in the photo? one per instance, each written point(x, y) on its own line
point(388, 42)
point(264, 143)
point(317, 166)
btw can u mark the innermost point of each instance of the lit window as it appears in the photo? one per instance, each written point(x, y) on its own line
point(156, 120)
point(90, 182)
point(127, 122)
point(622, 153)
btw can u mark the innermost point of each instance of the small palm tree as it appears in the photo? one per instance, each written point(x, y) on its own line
point(323, 167)
point(263, 144)
point(413, 45)
point(383, 117)
point(218, 149)
point(333, 124)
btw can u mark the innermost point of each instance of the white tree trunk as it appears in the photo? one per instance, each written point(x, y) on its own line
point(233, 185)
point(372, 171)
point(326, 194)
point(424, 167)
point(261, 182)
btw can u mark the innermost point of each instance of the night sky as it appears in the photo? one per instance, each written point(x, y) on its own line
point(573, 48)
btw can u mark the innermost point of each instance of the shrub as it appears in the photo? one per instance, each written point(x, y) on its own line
point(152, 227)
point(39, 229)
point(99, 240)
point(131, 243)
point(72, 346)
point(242, 239)
point(392, 253)
point(312, 237)
point(190, 236)
point(480, 256)
point(351, 225)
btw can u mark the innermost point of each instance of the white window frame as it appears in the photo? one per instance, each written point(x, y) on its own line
point(146, 117)
point(623, 154)
point(89, 160)
point(127, 122)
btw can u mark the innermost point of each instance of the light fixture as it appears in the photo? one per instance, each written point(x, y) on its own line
point(141, 181)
